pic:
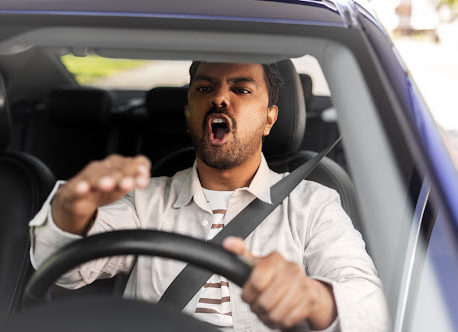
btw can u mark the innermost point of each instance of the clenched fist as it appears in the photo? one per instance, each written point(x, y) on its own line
point(99, 183)
point(281, 294)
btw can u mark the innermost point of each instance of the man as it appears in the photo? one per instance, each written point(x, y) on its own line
point(310, 265)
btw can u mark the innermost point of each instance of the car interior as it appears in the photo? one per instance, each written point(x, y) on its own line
point(51, 127)
point(55, 137)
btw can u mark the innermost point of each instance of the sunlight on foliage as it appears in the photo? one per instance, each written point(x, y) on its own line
point(92, 67)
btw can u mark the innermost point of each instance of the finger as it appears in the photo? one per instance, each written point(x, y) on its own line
point(98, 174)
point(144, 165)
point(108, 180)
point(285, 313)
point(237, 246)
point(297, 315)
point(106, 183)
point(126, 184)
point(261, 276)
point(118, 173)
point(82, 187)
point(139, 168)
point(271, 296)
point(131, 172)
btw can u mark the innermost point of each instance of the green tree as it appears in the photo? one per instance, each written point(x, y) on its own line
point(450, 3)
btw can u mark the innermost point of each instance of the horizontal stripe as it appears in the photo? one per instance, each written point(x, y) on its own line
point(217, 225)
point(211, 311)
point(219, 211)
point(216, 284)
point(215, 301)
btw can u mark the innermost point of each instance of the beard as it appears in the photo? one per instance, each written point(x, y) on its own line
point(234, 152)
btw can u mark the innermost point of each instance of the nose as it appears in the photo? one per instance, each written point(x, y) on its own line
point(220, 98)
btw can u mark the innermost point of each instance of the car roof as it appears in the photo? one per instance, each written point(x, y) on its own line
point(321, 12)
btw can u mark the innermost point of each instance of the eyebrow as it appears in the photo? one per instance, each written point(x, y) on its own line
point(233, 80)
point(242, 80)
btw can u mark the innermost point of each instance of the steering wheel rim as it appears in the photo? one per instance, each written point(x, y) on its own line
point(136, 242)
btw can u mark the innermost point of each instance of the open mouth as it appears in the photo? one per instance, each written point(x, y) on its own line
point(218, 128)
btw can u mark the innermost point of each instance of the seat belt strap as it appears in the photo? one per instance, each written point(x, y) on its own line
point(191, 278)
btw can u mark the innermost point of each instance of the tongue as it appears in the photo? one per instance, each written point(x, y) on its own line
point(219, 133)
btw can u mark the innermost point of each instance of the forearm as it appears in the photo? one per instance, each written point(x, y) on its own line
point(47, 238)
point(325, 309)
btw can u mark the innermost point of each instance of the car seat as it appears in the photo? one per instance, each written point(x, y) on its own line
point(25, 182)
point(165, 127)
point(73, 130)
point(321, 129)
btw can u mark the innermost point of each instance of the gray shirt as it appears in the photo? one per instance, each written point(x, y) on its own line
point(309, 228)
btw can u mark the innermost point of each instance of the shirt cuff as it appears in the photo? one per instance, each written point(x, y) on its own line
point(46, 237)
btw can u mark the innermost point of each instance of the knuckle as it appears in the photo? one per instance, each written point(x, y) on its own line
point(114, 156)
point(94, 164)
point(274, 256)
point(274, 318)
point(288, 322)
point(113, 159)
point(116, 174)
point(263, 306)
point(294, 268)
point(257, 287)
point(246, 298)
point(255, 308)
point(141, 158)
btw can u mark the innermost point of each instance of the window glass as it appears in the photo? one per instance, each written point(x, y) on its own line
point(437, 289)
point(309, 65)
point(126, 74)
point(134, 74)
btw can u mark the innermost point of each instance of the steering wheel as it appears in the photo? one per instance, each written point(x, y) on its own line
point(129, 242)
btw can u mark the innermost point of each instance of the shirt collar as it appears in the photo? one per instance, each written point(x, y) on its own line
point(191, 188)
point(260, 185)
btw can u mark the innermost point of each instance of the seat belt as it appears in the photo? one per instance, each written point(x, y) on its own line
point(191, 279)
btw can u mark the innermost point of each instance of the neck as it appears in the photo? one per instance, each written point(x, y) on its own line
point(228, 179)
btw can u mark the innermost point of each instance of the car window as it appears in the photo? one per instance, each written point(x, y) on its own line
point(309, 65)
point(436, 288)
point(126, 74)
point(134, 74)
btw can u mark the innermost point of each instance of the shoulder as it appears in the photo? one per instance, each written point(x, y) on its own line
point(307, 191)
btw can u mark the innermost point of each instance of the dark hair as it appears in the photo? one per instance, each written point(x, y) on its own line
point(271, 74)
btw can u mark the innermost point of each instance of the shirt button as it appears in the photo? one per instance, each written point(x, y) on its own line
point(204, 222)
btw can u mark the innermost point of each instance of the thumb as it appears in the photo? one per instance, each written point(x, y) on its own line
point(237, 246)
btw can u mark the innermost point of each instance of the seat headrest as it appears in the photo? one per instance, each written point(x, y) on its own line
point(307, 86)
point(287, 133)
point(165, 110)
point(166, 99)
point(76, 107)
point(5, 118)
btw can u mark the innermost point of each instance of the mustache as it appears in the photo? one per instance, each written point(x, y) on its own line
point(219, 110)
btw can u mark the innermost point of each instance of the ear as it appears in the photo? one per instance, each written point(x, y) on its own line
point(186, 110)
point(186, 115)
point(272, 114)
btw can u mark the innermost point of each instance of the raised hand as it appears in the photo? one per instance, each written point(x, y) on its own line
point(99, 183)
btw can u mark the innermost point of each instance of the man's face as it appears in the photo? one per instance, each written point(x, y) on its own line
point(227, 112)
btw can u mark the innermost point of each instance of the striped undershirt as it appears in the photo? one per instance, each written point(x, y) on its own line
point(214, 304)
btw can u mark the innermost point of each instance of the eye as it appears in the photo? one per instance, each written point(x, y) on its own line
point(242, 91)
point(203, 88)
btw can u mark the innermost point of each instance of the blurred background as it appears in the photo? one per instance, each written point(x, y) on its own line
point(425, 32)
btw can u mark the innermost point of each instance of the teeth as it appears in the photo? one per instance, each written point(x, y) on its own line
point(218, 121)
